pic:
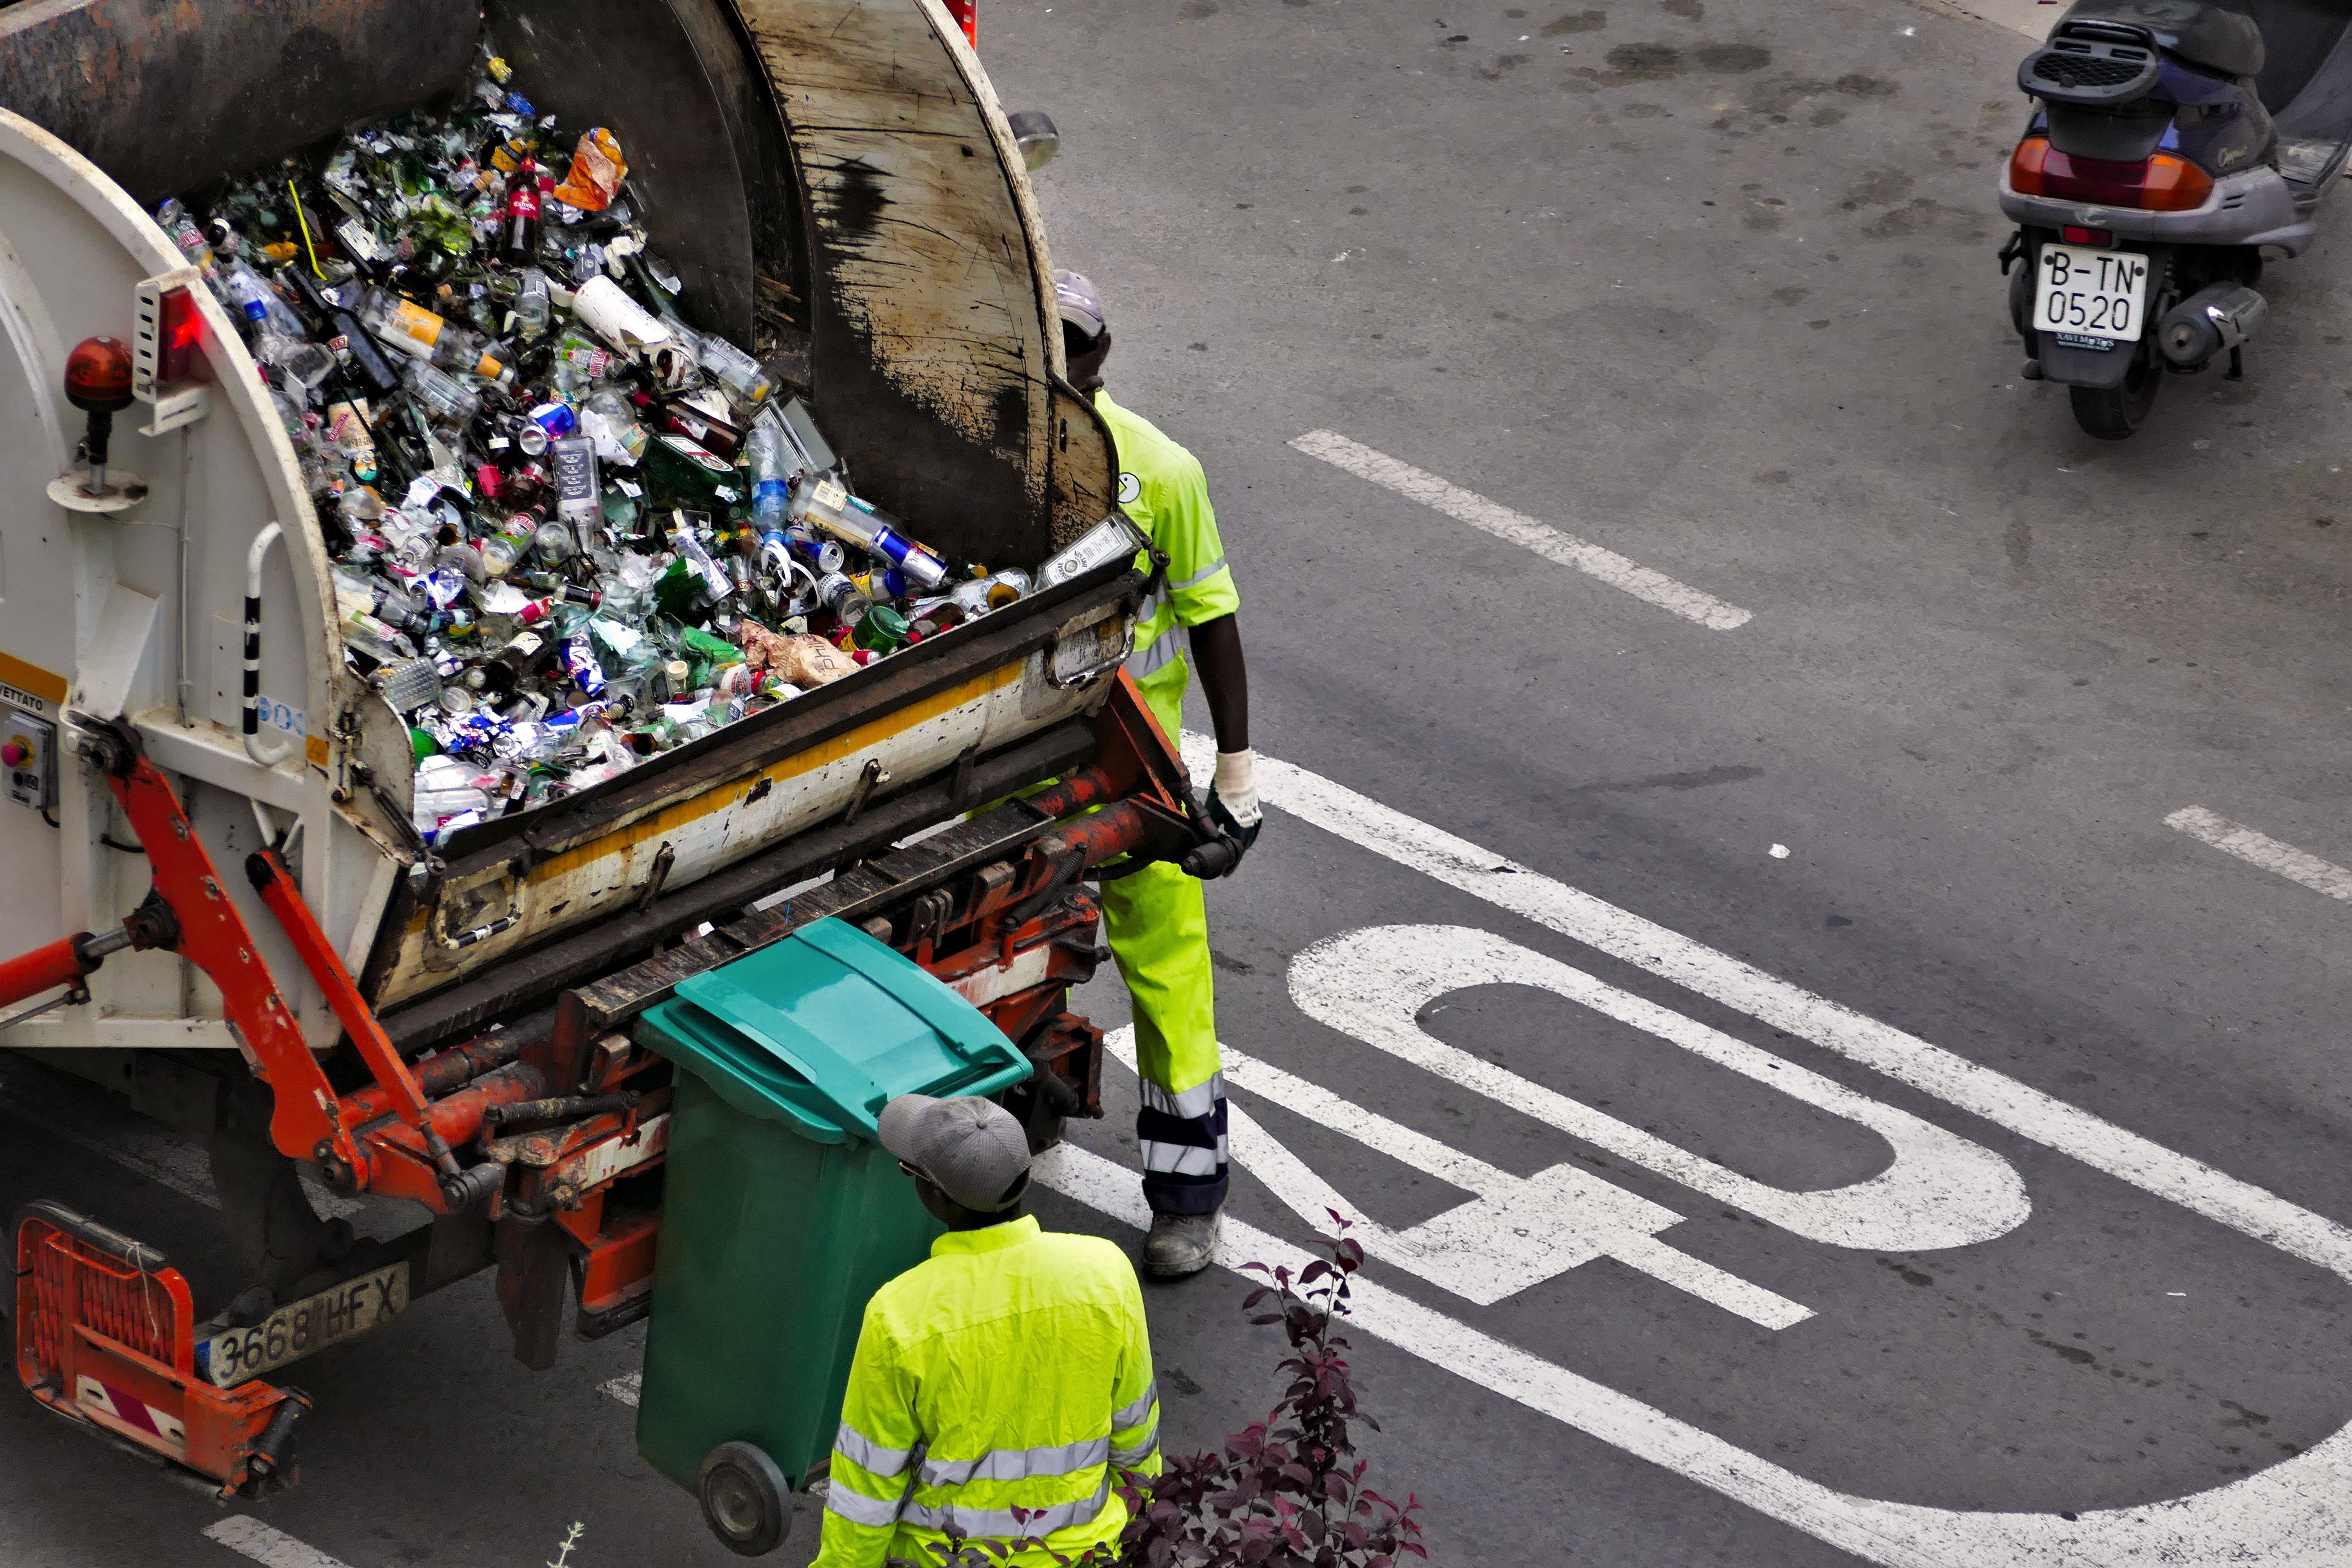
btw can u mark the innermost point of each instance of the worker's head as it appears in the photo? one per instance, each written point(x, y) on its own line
point(1085, 330)
point(969, 1157)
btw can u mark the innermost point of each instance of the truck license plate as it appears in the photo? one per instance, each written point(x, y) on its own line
point(2086, 293)
point(301, 1328)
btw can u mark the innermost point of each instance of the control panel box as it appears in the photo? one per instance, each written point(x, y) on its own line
point(28, 758)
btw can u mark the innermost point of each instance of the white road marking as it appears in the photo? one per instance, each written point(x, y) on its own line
point(2260, 849)
point(1515, 1234)
point(2005, 1101)
point(2295, 1514)
point(624, 1388)
point(266, 1544)
point(2289, 1516)
point(1939, 1190)
point(1490, 517)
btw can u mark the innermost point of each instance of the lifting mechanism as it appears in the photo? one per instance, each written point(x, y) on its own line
point(537, 1144)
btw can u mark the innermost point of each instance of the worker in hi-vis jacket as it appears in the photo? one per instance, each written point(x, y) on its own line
point(1156, 919)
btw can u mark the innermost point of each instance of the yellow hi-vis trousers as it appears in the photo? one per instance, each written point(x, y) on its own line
point(1158, 925)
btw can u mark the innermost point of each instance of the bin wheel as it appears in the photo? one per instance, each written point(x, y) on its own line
point(746, 1501)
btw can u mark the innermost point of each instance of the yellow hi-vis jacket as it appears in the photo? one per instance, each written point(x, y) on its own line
point(1013, 1369)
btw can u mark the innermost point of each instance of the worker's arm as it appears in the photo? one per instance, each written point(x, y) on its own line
point(871, 1453)
point(1135, 1397)
point(1200, 586)
point(1224, 680)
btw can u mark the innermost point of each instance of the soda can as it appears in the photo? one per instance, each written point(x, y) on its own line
point(556, 419)
point(580, 663)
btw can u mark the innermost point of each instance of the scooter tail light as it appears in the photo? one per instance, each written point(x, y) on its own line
point(2165, 183)
point(2026, 166)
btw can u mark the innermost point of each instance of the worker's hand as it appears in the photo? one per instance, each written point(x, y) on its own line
point(1233, 809)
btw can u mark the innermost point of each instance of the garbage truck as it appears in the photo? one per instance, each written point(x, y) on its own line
point(220, 905)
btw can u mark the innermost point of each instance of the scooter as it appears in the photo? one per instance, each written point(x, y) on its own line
point(2172, 142)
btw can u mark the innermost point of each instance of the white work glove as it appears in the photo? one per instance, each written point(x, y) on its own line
point(1236, 785)
point(1233, 796)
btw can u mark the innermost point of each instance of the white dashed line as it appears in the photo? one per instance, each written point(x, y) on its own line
point(1491, 517)
point(266, 1545)
point(624, 1388)
point(2261, 849)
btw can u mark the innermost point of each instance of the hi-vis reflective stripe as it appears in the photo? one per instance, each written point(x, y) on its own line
point(1159, 653)
point(1016, 1464)
point(868, 1455)
point(859, 1508)
point(1128, 1415)
point(1128, 1459)
point(1183, 1159)
point(1203, 575)
point(1199, 1100)
point(1001, 1522)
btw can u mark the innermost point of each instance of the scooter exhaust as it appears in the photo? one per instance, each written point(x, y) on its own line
point(2218, 315)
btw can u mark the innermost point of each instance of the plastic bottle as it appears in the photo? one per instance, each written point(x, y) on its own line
point(554, 542)
point(175, 220)
point(278, 337)
point(444, 789)
point(610, 420)
point(824, 502)
point(772, 493)
point(744, 378)
point(445, 399)
point(717, 585)
point(510, 545)
point(533, 303)
point(414, 331)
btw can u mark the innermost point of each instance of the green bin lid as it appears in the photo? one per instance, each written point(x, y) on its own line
point(822, 1029)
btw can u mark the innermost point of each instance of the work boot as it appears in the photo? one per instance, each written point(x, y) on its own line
point(1180, 1243)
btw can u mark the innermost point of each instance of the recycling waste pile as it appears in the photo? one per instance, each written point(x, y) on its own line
point(570, 533)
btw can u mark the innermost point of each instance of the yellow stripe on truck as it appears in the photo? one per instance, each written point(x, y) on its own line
point(19, 677)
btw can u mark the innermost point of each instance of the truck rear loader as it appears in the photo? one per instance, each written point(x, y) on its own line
point(218, 903)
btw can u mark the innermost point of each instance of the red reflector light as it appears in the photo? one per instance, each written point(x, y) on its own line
point(2164, 183)
point(182, 328)
point(2088, 235)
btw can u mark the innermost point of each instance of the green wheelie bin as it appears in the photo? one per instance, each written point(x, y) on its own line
point(781, 1215)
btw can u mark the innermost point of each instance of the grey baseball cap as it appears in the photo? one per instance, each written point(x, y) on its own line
point(1080, 303)
point(971, 1149)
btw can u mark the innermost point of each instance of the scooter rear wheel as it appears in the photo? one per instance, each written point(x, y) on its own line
point(2112, 413)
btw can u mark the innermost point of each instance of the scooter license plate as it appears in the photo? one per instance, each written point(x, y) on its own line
point(2086, 293)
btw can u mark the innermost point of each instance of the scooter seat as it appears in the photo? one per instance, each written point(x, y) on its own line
point(2197, 31)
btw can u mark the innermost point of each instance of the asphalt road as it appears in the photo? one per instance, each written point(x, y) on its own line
point(1710, 286)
